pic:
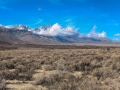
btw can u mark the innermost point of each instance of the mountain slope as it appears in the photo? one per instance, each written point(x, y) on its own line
point(4, 43)
point(7, 37)
point(16, 36)
point(45, 35)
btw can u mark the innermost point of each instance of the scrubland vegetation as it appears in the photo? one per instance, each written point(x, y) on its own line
point(60, 69)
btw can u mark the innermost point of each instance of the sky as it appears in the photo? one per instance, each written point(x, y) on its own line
point(82, 15)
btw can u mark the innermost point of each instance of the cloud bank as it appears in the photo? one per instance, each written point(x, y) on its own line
point(58, 30)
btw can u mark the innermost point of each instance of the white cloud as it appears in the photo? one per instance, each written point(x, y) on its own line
point(38, 22)
point(94, 34)
point(39, 9)
point(118, 34)
point(56, 29)
point(68, 20)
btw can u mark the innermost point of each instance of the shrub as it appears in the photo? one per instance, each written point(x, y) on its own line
point(21, 68)
point(9, 75)
point(104, 73)
point(6, 65)
point(2, 84)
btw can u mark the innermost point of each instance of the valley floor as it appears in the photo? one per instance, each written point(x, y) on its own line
point(81, 68)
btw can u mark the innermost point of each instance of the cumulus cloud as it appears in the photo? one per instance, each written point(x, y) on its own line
point(56, 30)
point(94, 34)
point(118, 34)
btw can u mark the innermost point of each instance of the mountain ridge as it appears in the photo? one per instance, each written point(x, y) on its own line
point(48, 34)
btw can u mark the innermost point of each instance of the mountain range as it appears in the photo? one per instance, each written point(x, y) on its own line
point(48, 34)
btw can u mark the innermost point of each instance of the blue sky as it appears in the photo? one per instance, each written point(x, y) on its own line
point(82, 14)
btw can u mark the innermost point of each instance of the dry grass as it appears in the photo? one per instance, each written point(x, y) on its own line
point(60, 69)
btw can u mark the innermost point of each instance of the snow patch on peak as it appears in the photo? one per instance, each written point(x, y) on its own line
point(9, 26)
point(23, 27)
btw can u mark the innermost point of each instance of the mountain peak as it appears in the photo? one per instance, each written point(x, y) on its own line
point(46, 27)
point(23, 27)
point(42, 28)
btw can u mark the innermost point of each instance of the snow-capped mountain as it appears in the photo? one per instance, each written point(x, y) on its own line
point(23, 27)
point(45, 28)
point(48, 34)
point(19, 27)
